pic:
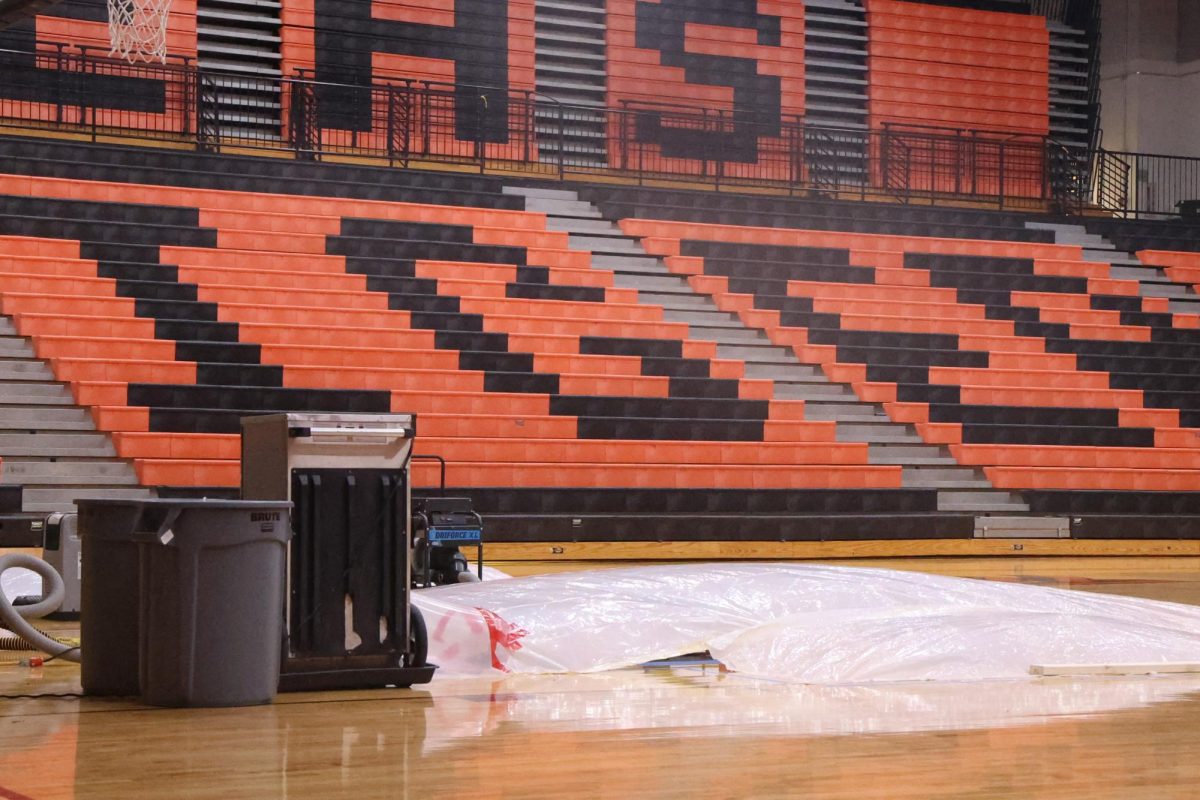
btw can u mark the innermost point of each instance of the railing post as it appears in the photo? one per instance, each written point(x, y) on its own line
point(410, 122)
point(719, 161)
point(187, 99)
point(562, 143)
point(391, 125)
point(1001, 177)
point(641, 149)
point(58, 82)
point(865, 159)
point(885, 158)
point(480, 151)
point(957, 161)
point(1053, 174)
point(793, 158)
point(426, 132)
point(1135, 174)
point(91, 108)
point(623, 136)
point(530, 124)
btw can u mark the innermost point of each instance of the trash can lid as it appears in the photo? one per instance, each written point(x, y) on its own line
point(128, 520)
point(163, 503)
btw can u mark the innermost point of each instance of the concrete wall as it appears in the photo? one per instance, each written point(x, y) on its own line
point(1150, 76)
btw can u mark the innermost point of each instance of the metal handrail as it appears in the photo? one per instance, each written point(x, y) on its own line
point(406, 120)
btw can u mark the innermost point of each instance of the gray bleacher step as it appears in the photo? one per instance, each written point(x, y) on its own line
point(1024, 527)
point(1138, 273)
point(641, 266)
point(811, 390)
point(35, 400)
point(1172, 291)
point(1065, 233)
point(910, 455)
point(629, 263)
point(766, 353)
point(792, 371)
point(36, 469)
point(67, 473)
point(1110, 255)
point(702, 317)
point(14, 347)
point(541, 191)
point(25, 373)
point(29, 369)
point(567, 209)
point(577, 226)
point(851, 410)
point(866, 430)
point(58, 498)
point(680, 300)
point(929, 477)
point(981, 501)
point(55, 444)
point(50, 391)
point(41, 419)
point(645, 282)
point(610, 243)
point(12, 414)
point(725, 334)
point(610, 246)
point(1181, 306)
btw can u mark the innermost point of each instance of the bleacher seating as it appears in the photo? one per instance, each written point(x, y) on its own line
point(566, 407)
point(173, 312)
point(1023, 358)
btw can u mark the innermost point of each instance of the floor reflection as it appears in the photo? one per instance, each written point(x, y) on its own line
point(706, 702)
point(680, 732)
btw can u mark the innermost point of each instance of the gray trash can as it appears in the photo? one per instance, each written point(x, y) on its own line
point(212, 578)
point(210, 588)
point(109, 597)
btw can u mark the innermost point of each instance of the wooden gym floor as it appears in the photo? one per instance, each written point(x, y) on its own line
point(687, 731)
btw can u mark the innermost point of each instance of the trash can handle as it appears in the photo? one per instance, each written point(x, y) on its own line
point(147, 536)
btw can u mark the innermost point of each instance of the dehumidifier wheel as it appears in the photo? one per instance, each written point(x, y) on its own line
point(418, 639)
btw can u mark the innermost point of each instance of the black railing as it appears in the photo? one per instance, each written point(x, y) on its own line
point(1145, 185)
point(419, 123)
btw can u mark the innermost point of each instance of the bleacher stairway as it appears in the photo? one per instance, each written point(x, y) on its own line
point(1152, 281)
point(925, 466)
point(49, 444)
point(570, 68)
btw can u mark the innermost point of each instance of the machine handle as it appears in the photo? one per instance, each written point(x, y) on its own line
point(359, 433)
point(442, 464)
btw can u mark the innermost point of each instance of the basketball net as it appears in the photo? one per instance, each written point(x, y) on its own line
point(138, 29)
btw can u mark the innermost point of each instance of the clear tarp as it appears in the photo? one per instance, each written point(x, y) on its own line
point(796, 622)
point(17, 582)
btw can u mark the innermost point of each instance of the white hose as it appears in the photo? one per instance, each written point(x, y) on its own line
point(53, 595)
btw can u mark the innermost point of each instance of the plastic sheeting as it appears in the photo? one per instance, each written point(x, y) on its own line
point(795, 622)
point(18, 582)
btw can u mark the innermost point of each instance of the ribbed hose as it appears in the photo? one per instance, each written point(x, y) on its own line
point(52, 598)
point(16, 643)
